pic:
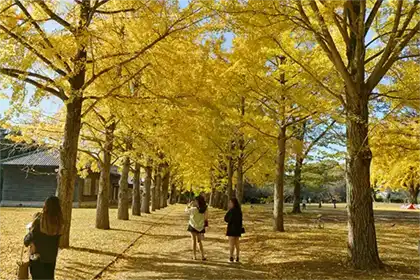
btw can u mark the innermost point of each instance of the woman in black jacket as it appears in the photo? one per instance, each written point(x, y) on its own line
point(43, 237)
point(234, 229)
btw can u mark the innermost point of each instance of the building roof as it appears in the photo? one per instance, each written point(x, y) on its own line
point(38, 158)
point(46, 158)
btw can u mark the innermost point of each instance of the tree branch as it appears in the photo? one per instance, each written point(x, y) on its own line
point(33, 50)
point(260, 131)
point(255, 162)
point(17, 74)
point(372, 15)
point(317, 139)
point(42, 33)
point(55, 17)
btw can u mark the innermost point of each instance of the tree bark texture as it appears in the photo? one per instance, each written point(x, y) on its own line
point(297, 180)
point(123, 191)
point(229, 185)
point(136, 199)
point(102, 204)
point(67, 170)
point(165, 187)
point(158, 187)
point(414, 193)
point(279, 186)
point(145, 206)
point(173, 195)
point(362, 245)
point(212, 197)
point(240, 169)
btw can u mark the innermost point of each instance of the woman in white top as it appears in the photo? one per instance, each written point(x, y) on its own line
point(196, 226)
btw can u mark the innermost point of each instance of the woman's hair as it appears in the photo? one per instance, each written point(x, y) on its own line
point(202, 207)
point(52, 217)
point(235, 203)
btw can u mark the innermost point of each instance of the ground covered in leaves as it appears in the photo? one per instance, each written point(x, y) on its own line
point(160, 246)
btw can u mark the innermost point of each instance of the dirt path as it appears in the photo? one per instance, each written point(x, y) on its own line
point(303, 252)
point(164, 253)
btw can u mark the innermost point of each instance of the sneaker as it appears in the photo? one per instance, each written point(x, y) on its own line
point(237, 260)
point(231, 259)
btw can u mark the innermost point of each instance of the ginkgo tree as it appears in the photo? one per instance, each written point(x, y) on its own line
point(362, 41)
point(77, 51)
point(278, 97)
point(396, 153)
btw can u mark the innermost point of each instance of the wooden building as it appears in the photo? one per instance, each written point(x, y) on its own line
point(29, 178)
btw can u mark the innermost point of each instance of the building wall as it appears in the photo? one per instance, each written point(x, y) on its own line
point(22, 186)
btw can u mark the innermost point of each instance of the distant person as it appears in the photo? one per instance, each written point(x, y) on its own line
point(196, 226)
point(334, 201)
point(234, 228)
point(43, 238)
point(304, 204)
point(320, 204)
point(309, 200)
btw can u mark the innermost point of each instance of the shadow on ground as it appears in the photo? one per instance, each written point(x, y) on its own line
point(304, 251)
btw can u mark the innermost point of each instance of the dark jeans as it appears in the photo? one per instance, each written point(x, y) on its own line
point(41, 270)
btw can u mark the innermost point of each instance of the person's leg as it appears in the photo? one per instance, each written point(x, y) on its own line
point(237, 248)
point(231, 247)
point(36, 269)
point(194, 244)
point(200, 244)
point(49, 269)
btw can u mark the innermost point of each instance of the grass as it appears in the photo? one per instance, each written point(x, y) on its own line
point(163, 252)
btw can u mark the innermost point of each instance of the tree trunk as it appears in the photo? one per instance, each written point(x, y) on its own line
point(228, 193)
point(297, 185)
point(414, 193)
point(165, 187)
point(102, 204)
point(179, 194)
point(298, 168)
point(158, 187)
point(362, 245)
point(217, 199)
point(147, 185)
point(136, 200)
point(279, 187)
point(153, 194)
point(213, 188)
point(172, 199)
point(223, 199)
point(68, 151)
point(67, 170)
point(240, 179)
point(212, 197)
point(123, 191)
point(239, 171)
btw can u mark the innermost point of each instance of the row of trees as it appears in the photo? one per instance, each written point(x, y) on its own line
point(152, 88)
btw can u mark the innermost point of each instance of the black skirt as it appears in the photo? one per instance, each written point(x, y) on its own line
point(234, 231)
point(191, 229)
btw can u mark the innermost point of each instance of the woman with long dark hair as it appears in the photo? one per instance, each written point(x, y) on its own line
point(43, 238)
point(196, 225)
point(234, 228)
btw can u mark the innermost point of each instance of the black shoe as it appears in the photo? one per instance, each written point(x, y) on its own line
point(237, 260)
point(204, 259)
point(231, 259)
